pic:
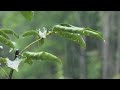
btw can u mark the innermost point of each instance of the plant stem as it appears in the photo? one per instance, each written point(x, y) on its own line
point(12, 70)
point(11, 73)
point(30, 45)
point(17, 53)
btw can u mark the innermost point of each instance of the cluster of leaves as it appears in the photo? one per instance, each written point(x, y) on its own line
point(67, 31)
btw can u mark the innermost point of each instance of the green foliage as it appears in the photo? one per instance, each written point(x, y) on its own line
point(6, 42)
point(93, 33)
point(41, 56)
point(3, 60)
point(28, 14)
point(75, 33)
point(3, 34)
point(67, 31)
point(10, 32)
point(11, 64)
point(29, 33)
point(77, 30)
point(68, 28)
point(77, 38)
point(29, 61)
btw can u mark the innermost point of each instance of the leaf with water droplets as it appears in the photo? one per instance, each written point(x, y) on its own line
point(93, 33)
point(66, 28)
point(41, 56)
point(77, 38)
point(28, 60)
point(72, 29)
point(7, 31)
point(6, 42)
point(3, 34)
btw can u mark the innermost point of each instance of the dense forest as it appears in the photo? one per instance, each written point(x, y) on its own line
point(98, 61)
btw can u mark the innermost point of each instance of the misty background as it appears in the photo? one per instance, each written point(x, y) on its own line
point(98, 61)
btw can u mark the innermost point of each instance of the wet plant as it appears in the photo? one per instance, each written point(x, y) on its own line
point(67, 31)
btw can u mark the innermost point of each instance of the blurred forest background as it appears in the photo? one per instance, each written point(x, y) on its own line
point(98, 61)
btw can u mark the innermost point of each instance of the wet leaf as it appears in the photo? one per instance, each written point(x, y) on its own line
point(10, 32)
point(77, 38)
point(6, 42)
point(41, 56)
point(4, 34)
point(29, 61)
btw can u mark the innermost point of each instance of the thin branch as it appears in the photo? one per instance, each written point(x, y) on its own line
point(11, 73)
point(30, 45)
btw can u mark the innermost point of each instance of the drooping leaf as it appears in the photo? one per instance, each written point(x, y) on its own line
point(93, 33)
point(77, 38)
point(67, 25)
point(77, 30)
point(29, 61)
point(10, 32)
point(4, 34)
point(28, 14)
point(6, 42)
point(29, 33)
point(41, 56)
point(71, 29)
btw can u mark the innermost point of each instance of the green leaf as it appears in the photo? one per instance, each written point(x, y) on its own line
point(29, 61)
point(29, 33)
point(67, 25)
point(77, 38)
point(93, 33)
point(77, 30)
point(6, 42)
point(4, 34)
point(41, 56)
point(28, 14)
point(65, 28)
point(10, 32)
point(3, 60)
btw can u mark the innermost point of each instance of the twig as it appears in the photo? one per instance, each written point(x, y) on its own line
point(30, 45)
